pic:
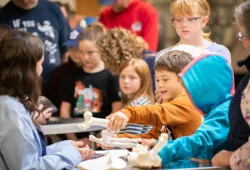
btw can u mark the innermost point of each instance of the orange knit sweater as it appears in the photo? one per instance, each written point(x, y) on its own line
point(179, 115)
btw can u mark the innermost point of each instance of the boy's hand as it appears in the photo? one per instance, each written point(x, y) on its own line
point(117, 121)
point(158, 96)
point(149, 142)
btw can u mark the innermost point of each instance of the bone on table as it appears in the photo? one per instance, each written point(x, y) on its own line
point(89, 121)
point(107, 135)
point(148, 159)
point(112, 143)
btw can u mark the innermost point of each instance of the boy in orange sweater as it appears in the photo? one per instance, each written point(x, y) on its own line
point(176, 114)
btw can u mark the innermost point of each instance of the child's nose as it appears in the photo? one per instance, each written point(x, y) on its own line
point(126, 80)
point(159, 84)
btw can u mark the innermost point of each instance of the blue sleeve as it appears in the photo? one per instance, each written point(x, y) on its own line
point(210, 135)
point(21, 149)
point(57, 146)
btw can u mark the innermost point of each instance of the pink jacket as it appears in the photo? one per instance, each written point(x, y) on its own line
point(240, 159)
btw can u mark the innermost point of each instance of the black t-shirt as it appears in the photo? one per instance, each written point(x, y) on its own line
point(45, 21)
point(93, 92)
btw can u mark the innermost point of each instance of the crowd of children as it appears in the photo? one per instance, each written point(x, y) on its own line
point(112, 74)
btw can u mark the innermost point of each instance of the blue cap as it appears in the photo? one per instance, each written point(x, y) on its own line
point(105, 2)
point(73, 37)
point(87, 21)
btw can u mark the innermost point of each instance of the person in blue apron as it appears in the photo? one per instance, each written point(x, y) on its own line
point(21, 141)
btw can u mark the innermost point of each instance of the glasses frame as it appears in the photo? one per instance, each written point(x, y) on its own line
point(188, 20)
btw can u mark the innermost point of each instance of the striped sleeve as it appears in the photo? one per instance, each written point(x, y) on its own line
point(136, 128)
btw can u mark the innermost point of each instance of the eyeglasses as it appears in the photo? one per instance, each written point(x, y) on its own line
point(189, 21)
point(240, 36)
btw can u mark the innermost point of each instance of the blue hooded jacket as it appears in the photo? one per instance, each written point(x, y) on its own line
point(210, 84)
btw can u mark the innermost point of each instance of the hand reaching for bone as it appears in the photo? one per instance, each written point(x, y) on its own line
point(117, 121)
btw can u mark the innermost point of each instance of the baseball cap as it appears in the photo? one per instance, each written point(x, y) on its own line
point(87, 21)
point(73, 37)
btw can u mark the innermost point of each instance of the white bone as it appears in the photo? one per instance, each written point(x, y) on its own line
point(112, 143)
point(126, 140)
point(160, 144)
point(89, 121)
point(96, 140)
point(107, 135)
point(141, 157)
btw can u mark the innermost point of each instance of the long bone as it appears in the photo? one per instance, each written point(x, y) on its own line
point(148, 159)
point(89, 121)
point(107, 135)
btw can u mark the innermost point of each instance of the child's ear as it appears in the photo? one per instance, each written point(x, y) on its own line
point(180, 81)
point(205, 21)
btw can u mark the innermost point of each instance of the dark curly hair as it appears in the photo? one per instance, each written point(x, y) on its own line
point(120, 45)
point(19, 54)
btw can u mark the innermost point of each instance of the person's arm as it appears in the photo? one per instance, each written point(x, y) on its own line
point(176, 112)
point(150, 28)
point(20, 145)
point(240, 159)
point(153, 133)
point(204, 142)
point(65, 113)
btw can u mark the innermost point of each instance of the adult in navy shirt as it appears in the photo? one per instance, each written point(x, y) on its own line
point(44, 19)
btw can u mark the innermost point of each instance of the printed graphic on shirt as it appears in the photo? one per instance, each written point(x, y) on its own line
point(45, 31)
point(137, 26)
point(87, 99)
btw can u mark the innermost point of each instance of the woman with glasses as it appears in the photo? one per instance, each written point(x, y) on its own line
point(238, 155)
point(190, 20)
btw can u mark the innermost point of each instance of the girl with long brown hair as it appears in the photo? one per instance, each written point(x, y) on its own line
point(21, 141)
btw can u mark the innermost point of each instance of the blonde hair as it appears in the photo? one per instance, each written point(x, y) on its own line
point(189, 7)
point(141, 68)
point(120, 45)
point(93, 32)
